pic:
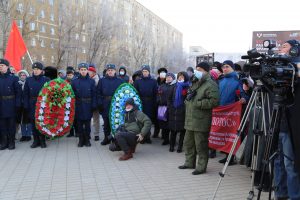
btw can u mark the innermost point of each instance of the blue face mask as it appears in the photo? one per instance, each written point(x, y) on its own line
point(198, 74)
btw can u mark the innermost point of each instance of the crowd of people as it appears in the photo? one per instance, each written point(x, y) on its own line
point(174, 103)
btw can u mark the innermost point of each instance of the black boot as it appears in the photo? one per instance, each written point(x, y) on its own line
point(81, 140)
point(23, 139)
point(172, 140)
point(180, 144)
point(105, 141)
point(3, 142)
point(43, 141)
point(11, 141)
point(87, 142)
point(71, 134)
point(156, 132)
point(36, 141)
point(165, 135)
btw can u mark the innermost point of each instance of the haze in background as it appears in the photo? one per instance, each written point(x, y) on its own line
point(225, 26)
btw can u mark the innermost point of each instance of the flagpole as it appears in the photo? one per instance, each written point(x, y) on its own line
point(29, 57)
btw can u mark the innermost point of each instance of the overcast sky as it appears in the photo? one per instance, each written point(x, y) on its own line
point(225, 25)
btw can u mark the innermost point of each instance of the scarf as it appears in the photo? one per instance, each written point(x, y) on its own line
point(178, 94)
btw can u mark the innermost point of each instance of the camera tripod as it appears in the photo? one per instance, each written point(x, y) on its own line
point(259, 101)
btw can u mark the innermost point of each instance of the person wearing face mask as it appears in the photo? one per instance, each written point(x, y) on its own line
point(190, 72)
point(136, 126)
point(176, 110)
point(123, 74)
point(202, 97)
point(162, 101)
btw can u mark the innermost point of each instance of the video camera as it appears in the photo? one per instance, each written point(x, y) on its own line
point(275, 71)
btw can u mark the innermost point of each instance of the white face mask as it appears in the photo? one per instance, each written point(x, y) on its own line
point(122, 73)
point(162, 75)
point(198, 74)
point(180, 81)
point(128, 109)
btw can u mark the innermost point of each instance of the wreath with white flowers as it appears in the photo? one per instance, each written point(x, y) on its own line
point(117, 107)
point(55, 108)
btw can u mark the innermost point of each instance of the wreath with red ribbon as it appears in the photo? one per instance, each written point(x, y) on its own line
point(55, 108)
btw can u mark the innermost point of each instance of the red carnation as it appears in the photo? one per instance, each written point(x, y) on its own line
point(52, 84)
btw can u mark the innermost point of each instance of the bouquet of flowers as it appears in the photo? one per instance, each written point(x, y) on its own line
point(55, 108)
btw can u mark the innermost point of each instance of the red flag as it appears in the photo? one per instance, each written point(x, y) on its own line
point(15, 48)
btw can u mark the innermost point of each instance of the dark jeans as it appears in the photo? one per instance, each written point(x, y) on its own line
point(35, 132)
point(8, 126)
point(286, 178)
point(126, 140)
point(84, 127)
point(106, 127)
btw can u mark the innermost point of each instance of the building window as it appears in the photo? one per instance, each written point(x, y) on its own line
point(77, 36)
point(43, 58)
point(83, 38)
point(51, 2)
point(33, 42)
point(43, 29)
point(83, 50)
point(32, 26)
point(83, 26)
point(20, 8)
point(52, 17)
point(52, 45)
point(52, 31)
point(42, 43)
point(20, 23)
point(42, 14)
point(31, 10)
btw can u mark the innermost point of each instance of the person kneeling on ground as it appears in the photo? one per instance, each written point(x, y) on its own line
point(137, 125)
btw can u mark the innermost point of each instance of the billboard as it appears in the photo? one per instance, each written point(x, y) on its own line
point(279, 36)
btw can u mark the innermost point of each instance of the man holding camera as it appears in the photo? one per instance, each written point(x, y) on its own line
point(202, 97)
point(286, 178)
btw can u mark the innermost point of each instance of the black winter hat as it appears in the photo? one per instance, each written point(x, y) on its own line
point(146, 67)
point(4, 62)
point(171, 75)
point(162, 70)
point(38, 65)
point(130, 101)
point(204, 65)
point(228, 62)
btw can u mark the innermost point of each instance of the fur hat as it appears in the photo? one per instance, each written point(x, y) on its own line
point(204, 65)
point(162, 70)
point(4, 62)
point(111, 66)
point(83, 65)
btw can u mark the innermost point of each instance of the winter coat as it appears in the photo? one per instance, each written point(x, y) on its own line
point(10, 95)
point(124, 77)
point(229, 86)
point(85, 92)
point(176, 116)
point(163, 93)
point(293, 115)
point(32, 87)
point(105, 91)
point(198, 112)
point(137, 122)
point(147, 89)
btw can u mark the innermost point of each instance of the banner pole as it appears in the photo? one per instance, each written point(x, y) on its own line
point(29, 57)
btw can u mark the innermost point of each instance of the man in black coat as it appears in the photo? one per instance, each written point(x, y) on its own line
point(32, 87)
point(10, 101)
point(105, 91)
point(147, 89)
point(286, 177)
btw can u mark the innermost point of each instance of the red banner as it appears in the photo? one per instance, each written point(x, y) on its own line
point(224, 126)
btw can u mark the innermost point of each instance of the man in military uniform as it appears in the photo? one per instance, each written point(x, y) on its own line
point(105, 90)
point(32, 87)
point(147, 88)
point(10, 102)
point(86, 102)
point(202, 97)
